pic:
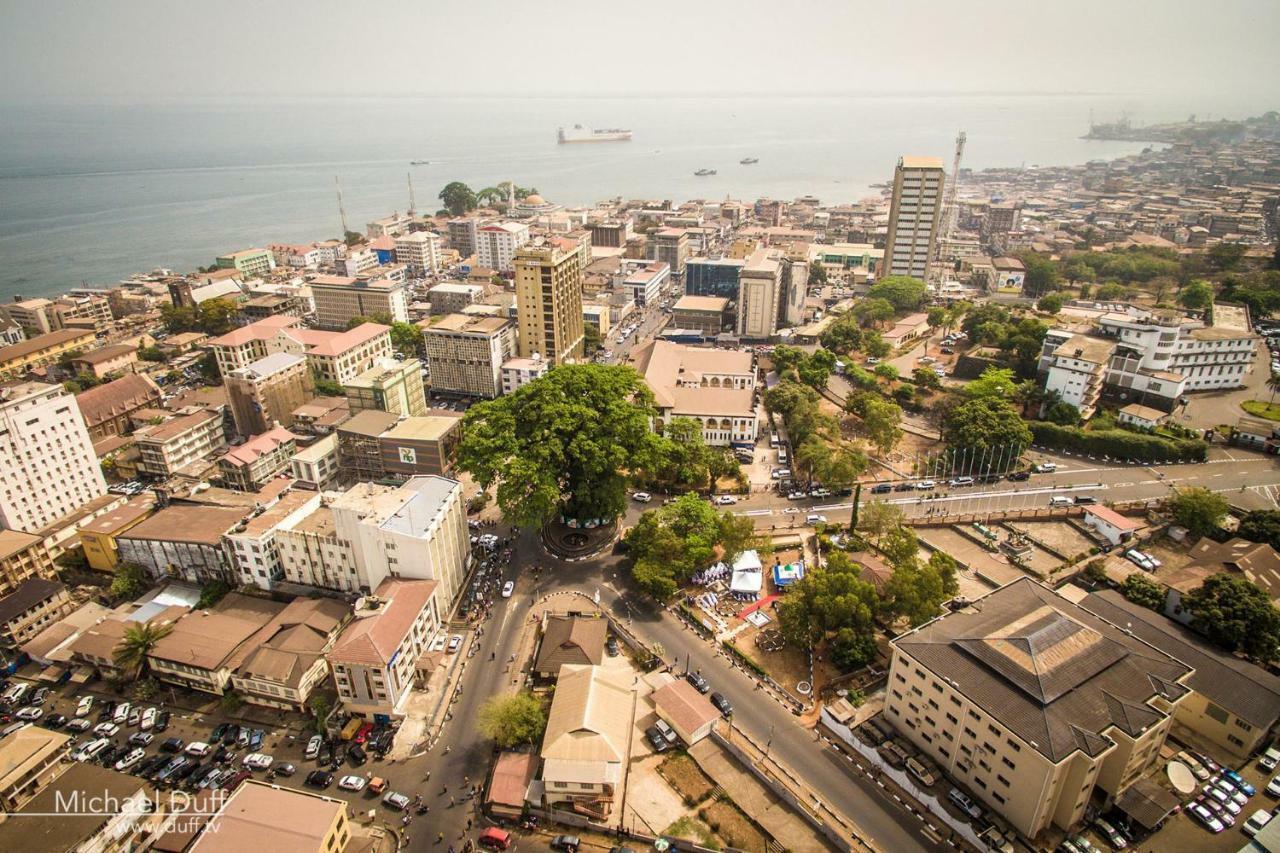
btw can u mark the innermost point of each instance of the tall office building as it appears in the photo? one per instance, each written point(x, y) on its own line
point(465, 353)
point(915, 216)
point(339, 299)
point(549, 303)
point(47, 465)
point(391, 386)
point(759, 289)
point(264, 394)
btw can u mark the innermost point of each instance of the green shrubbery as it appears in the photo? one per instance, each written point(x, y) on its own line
point(1119, 443)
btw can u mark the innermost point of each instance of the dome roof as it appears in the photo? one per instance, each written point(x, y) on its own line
point(534, 199)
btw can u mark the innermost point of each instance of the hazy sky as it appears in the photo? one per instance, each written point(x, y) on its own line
point(426, 47)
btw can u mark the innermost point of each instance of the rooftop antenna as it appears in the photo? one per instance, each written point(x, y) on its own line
point(413, 205)
point(341, 210)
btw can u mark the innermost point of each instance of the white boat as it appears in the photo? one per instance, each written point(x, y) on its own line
point(578, 133)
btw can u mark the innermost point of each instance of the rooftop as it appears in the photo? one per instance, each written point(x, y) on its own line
point(175, 427)
point(1086, 348)
point(590, 718)
point(258, 446)
point(261, 816)
point(374, 635)
point(921, 162)
point(717, 304)
point(40, 831)
point(203, 525)
point(424, 427)
point(30, 346)
point(468, 323)
point(15, 541)
point(107, 353)
point(29, 593)
point(268, 365)
point(1060, 675)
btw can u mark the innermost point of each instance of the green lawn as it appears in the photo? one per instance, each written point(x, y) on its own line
point(1260, 409)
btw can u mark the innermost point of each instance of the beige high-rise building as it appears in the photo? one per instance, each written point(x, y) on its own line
point(340, 299)
point(915, 217)
point(465, 353)
point(391, 386)
point(48, 469)
point(759, 290)
point(264, 394)
point(549, 304)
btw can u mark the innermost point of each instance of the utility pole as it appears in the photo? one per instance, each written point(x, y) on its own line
point(341, 210)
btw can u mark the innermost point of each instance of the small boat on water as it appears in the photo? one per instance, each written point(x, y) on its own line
point(702, 173)
point(419, 162)
point(747, 161)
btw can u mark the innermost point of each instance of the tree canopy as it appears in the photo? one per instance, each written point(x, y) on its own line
point(903, 292)
point(985, 423)
point(1198, 509)
point(513, 720)
point(670, 543)
point(1262, 526)
point(457, 198)
point(562, 443)
point(916, 591)
point(1235, 613)
point(1143, 591)
point(212, 317)
point(1197, 294)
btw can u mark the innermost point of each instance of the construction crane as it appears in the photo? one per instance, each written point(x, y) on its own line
point(413, 204)
point(342, 212)
point(949, 212)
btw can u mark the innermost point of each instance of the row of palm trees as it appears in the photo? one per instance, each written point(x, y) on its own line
point(498, 194)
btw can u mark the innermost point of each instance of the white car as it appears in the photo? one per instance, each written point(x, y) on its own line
point(815, 518)
point(1256, 821)
point(313, 747)
point(79, 724)
point(726, 500)
point(1045, 467)
point(642, 497)
point(873, 360)
point(352, 783)
point(134, 756)
point(925, 485)
point(1269, 759)
point(84, 706)
point(107, 729)
point(454, 642)
point(90, 750)
point(791, 510)
point(148, 719)
point(508, 588)
point(31, 714)
point(199, 749)
point(121, 714)
point(257, 761)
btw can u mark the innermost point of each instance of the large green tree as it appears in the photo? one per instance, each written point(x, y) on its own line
point(828, 599)
point(1197, 294)
point(1143, 591)
point(902, 292)
point(562, 443)
point(1262, 525)
point(669, 544)
point(514, 720)
point(881, 421)
point(1235, 613)
point(985, 423)
point(1198, 509)
point(458, 198)
point(916, 591)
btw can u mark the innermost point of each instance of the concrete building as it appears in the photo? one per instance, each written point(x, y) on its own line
point(645, 283)
point(713, 277)
point(795, 288)
point(36, 604)
point(452, 297)
point(1076, 370)
point(417, 530)
point(17, 359)
point(715, 387)
point(549, 304)
point(671, 247)
point(1115, 528)
point(249, 466)
point(517, 372)
point(101, 362)
point(288, 660)
point(182, 541)
point(23, 556)
point(333, 356)
point(265, 816)
point(98, 537)
point(1036, 705)
point(759, 294)
point(33, 315)
point(316, 465)
point(83, 808)
point(251, 545)
point(48, 468)
point(690, 714)
point(249, 262)
point(340, 299)
point(166, 448)
point(30, 758)
point(566, 639)
point(420, 251)
point(374, 659)
point(586, 747)
point(264, 394)
point(496, 245)
point(611, 234)
point(915, 215)
point(466, 353)
point(464, 235)
point(391, 386)
point(107, 408)
point(707, 314)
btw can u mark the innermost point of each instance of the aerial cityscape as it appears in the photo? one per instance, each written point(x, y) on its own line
point(429, 428)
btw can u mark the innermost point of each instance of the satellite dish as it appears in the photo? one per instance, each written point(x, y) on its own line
point(1184, 781)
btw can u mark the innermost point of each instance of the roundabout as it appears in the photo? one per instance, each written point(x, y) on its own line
point(569, 541)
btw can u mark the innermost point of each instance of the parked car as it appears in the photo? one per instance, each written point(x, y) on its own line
point(925, 485)
point(55, 721)
point(1019, 476)
point(162, 721)
point(495, 838)
point(284, 768)
point(1199, 770)
point(696, 679)
point(90, 750)
point(726, 500)
point(141, 738)
point(566, 842)
point(642, 497)
point(1113, 835)
point(356, 755)
point(121, 714)
point(84, 706)
point(1269, 759)
point(199, 749)
point(79, 724)
point(508, 588)
point(319, 779)
point(39, 696)
point(148, 720)
point(313, 747)
point(173, 744)
point(815, 518)
point(1085, 500)
point(1205, 817)
point(257, 761)
point(218, 732)
point(957, 482)
point(962, 801)
point(1235, 779)
point(722, 704)
point(132, 758)
point(454, 642)
point(352, 783)
point(881, 489)
point(106, 729)
point(396, 801)
point(1256, 821)
point(1045, 467)
point(30, 713)
point(920, 772)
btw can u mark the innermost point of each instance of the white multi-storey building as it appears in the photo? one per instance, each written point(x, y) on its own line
point(420, 251)
point(646, 280)
point(915, 214)
point(759, 290)
point(48, 468)
point(521, 371)
point(496, 245)
point(1149, 358)
point(714, 387)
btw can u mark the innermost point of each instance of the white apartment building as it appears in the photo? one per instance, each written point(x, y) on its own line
point(521, 371)
point(316, 466)
point(311, 554)
point(417, 530)
point(333, 356)
point(339, 299)
point(1149, 358)
point(496, 245)
point(358, 262)
point(251, 546)
point(48, 468)
point(915, 215)
point(759, 292)
point(166, 448)
point(646, 282)
point(420, 251)
point(715, 387)
point(375, 657)
point(1034, 704)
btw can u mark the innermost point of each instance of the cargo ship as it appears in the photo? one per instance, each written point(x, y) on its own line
point(702, 173)
point(747, 161)
point(578, 133)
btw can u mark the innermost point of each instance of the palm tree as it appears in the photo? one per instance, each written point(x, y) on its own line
point(490, 195)
point(138, 641)
point(1273, 382)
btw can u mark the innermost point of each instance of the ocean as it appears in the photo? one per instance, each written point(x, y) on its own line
point(91, 192)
